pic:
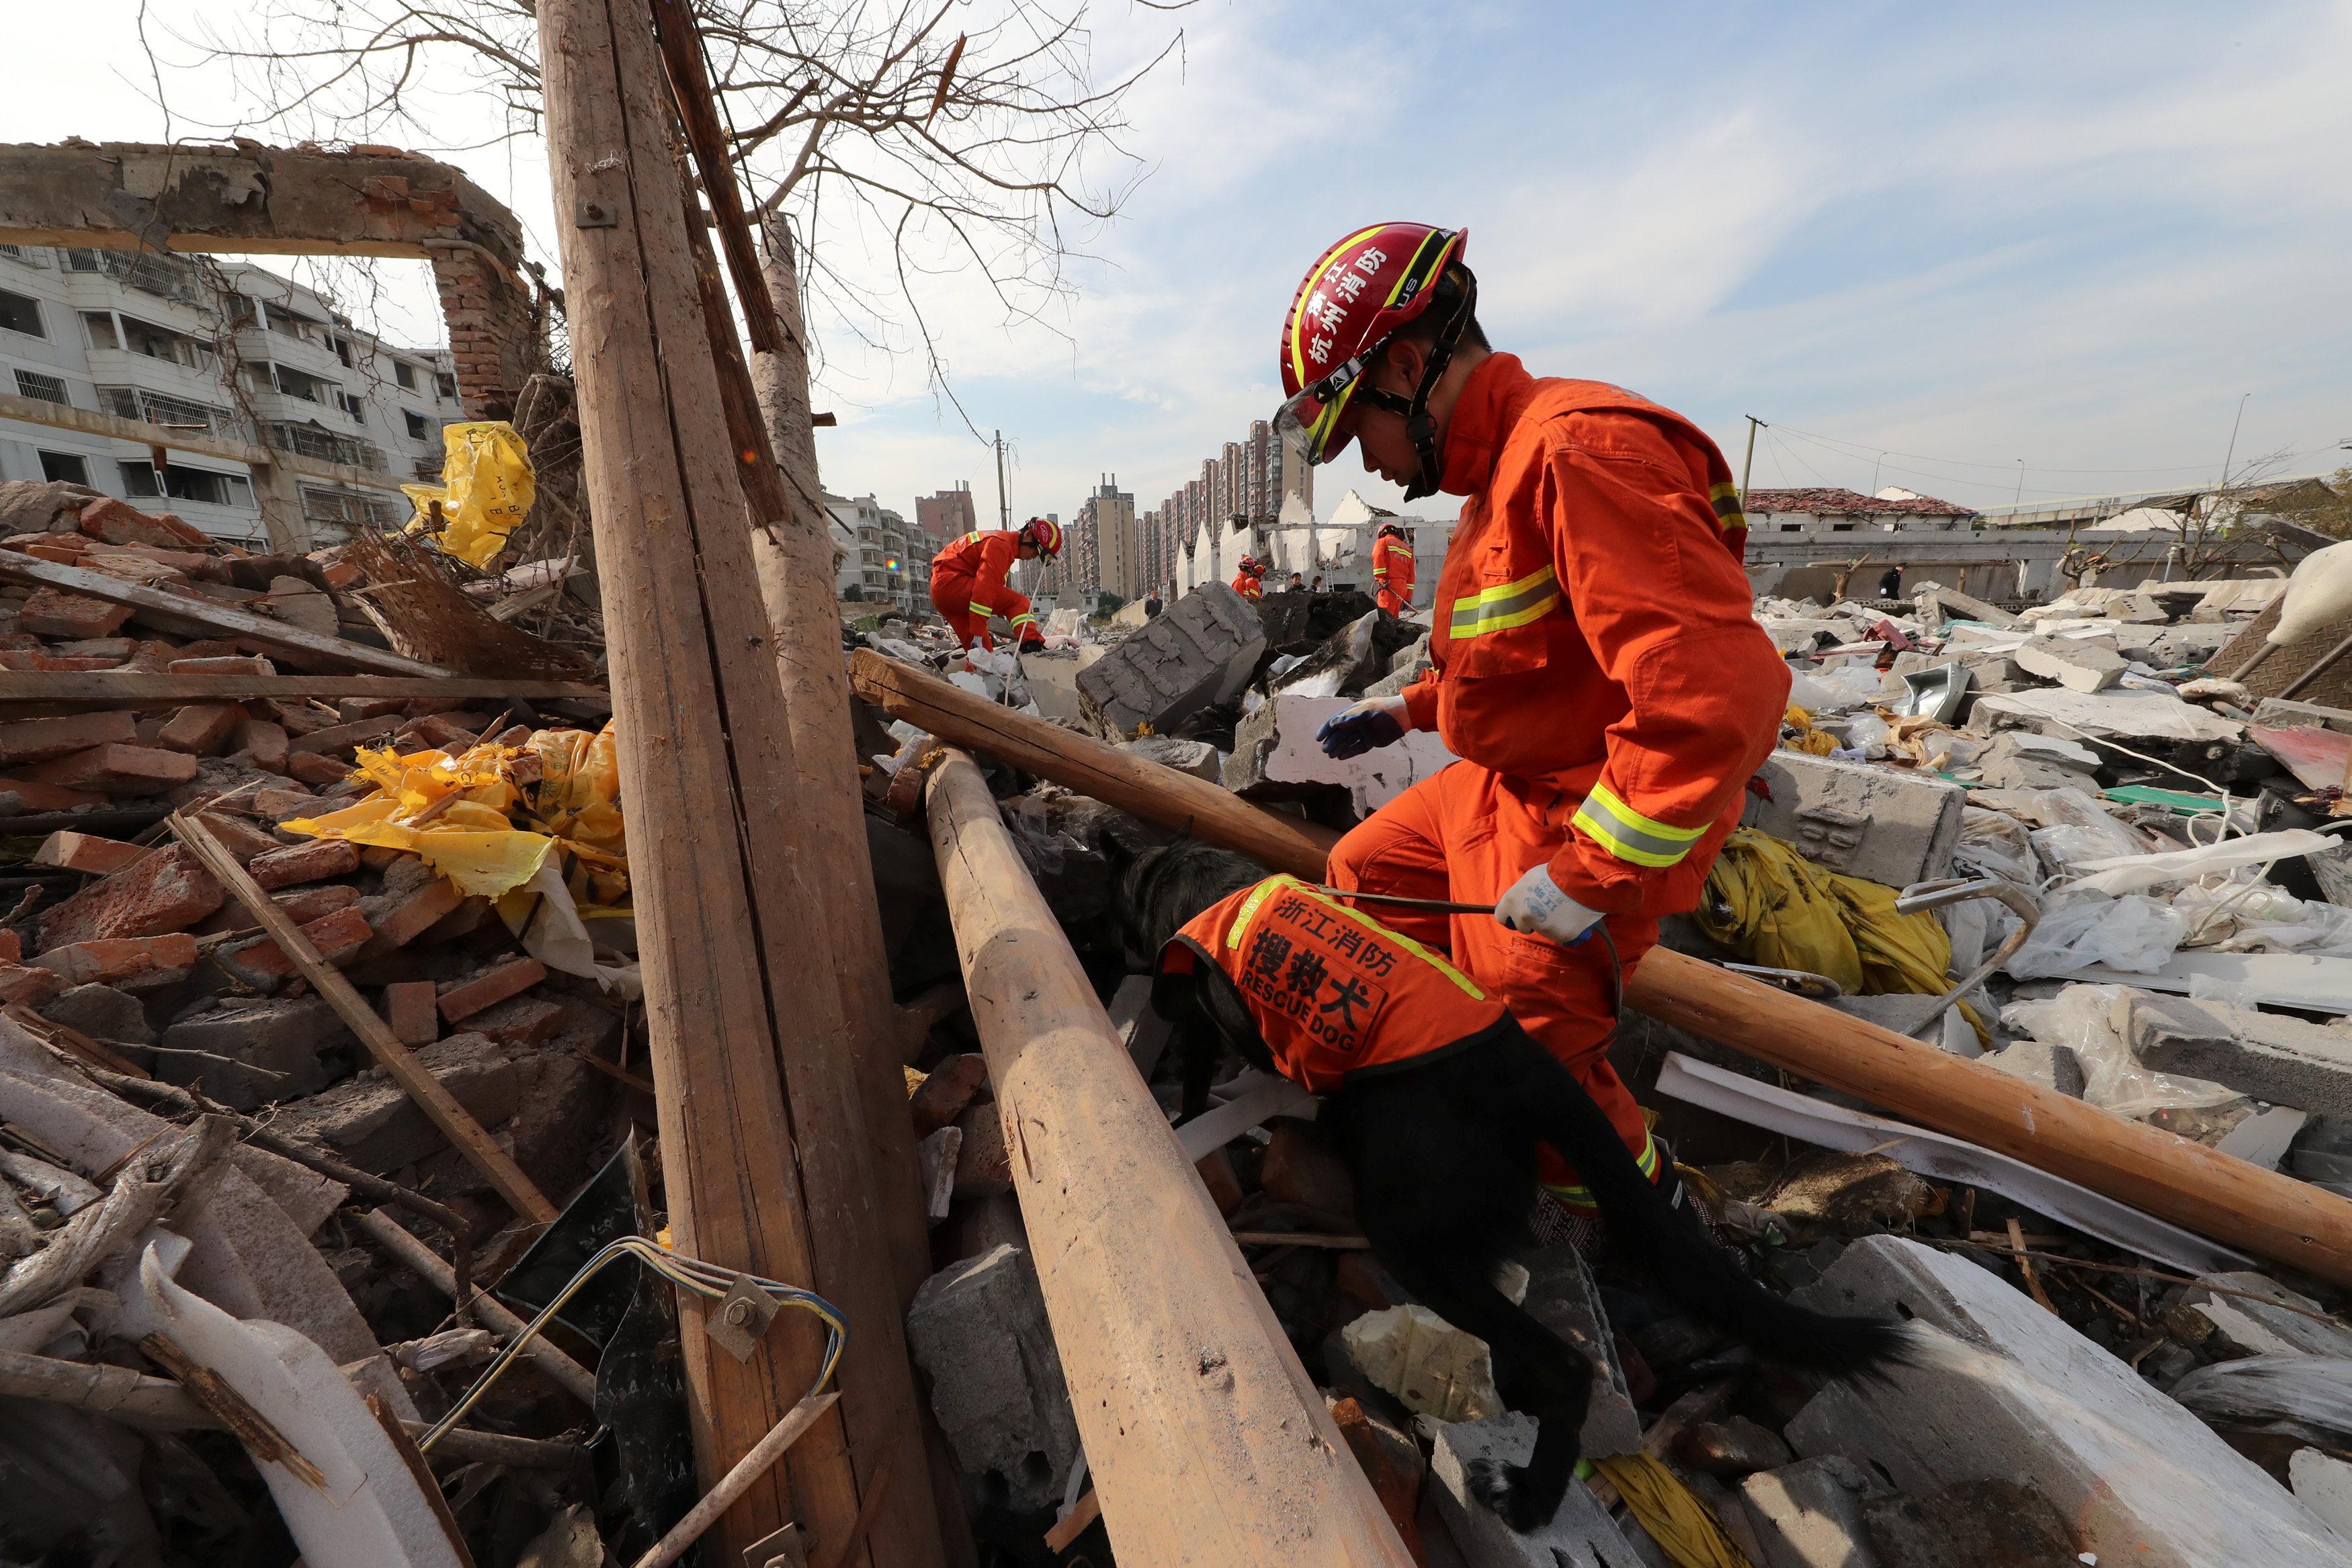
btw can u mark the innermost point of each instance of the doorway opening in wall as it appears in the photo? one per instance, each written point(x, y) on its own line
point(71, 467)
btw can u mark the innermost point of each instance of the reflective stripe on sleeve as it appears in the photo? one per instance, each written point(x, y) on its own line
point(1725, 499)
point(1580, 1198)
point(1506, 605)
point(1629, 835)
point(1025, 619)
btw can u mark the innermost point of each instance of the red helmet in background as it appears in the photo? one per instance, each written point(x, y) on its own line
point(1353, 299)
point(1252, 565)
point(1043, 533)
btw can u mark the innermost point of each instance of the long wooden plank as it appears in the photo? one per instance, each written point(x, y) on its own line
point(15, 566)
point(2210, 1193)
point(767, 1158)
point(108, 688)
point(457, 1124)
point(1132, 783)
point(1207, 1440)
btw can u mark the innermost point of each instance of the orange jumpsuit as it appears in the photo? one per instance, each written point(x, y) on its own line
point(1597, 667)
point(968, 585)
point(1393, 569)
point(1249, 587)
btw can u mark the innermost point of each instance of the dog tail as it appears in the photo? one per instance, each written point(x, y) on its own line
point(1660, 1226)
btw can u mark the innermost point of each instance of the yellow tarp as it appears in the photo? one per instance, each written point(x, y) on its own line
point(486, 490)
point(1808, 739)
point(1774, 907)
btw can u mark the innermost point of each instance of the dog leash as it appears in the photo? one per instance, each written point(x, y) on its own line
point(1436, 906)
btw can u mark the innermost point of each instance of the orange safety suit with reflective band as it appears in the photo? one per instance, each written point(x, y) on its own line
point(1596, 663)
point(1249, 587)
point(968, 585)
point(1335, 993)
point(1393, 569)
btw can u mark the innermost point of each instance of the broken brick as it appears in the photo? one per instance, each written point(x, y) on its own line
point(119, 522)
point(34, 987)
point(313, 861)
point(277, 805)
point(154, 657)
point(521, 1020)
point(406, 920)
point(113, 648)
point(470, 997)
point(337, 937)
point(84, 851)
point(39, 739)
point(49, 613)
point(1224, 1184)
point(165, 892)
point(218, 665)
point(310, 767)
point(117, 770)
point(412, 1010)
point(201, 730)
point(443, 734)
point(305, 904)
point(1301, 1167)
point(263, 741)
point(354, 710)
point(338, 739)
point(984, 1163)
point(32, 795)
point(125, 963)
point(943, 1095)
point(238, 836)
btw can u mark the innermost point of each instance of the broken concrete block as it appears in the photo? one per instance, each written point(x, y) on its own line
point(126, 963)
point(412, 1008)
point(1053, 680)
point(169, 889)
point(314, 861)
point(1809, 1514)
point(1197, 757)
point(1863, 821)
point(1433, 1368)
point(2079, 666)
point(1407, 665)
point(82, 852)
point(253, 1055)
point(2054, 1067)
point(264, 742)
point(1200, 651)
point(2276, 712)
point(32, 987)
point(1562, 1296)
point(2019, 760)
point(1941, 603)
point(2262, 1138)
point(1276, 757)
point(2014, 1394)
point(117, 770)
point(979, 1329)
point(2322, 1483)
point(470, 997)
point(201, 729)
point(1973, 1524)
point(1580, 1535)
point(2267, 1056)
point(102, 1013)
point(370, 1123)
point(38, 739)
point(2277, 1322)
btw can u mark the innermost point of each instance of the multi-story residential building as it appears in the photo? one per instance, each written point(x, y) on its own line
point(1103, 552)
point(1235, 508)
point(948, 514)
point(887, 560)
point(243, 400)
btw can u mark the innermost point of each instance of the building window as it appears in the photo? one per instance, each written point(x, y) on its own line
point(343, 347)
point(13, 252)
point(160, 408)
point(446, 385)
point(1840, 528)
point(403, 372)
point(49, 389)
point(353, 406)
point(100, 328)
point(20, 313)
point(419, 428)
point(1792, 528)
point(69, 466)
point(181, 484)
point(347, 509)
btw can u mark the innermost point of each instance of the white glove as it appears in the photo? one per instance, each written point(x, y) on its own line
point(1535, 905)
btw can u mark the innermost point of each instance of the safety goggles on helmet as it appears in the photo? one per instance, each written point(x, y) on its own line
point(1043, 534)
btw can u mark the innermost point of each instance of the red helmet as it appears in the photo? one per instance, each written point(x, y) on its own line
point(1252, 565)
point(1044, 533)
point(1352, 302)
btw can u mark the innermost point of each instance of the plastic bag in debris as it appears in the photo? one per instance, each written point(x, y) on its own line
point(542, 913)
point(1803, 735)
point(1774, 907)
point(2307, 1397)
point(1042, 849)
point(1849, 686)
point(2247, 915)
point(2132, 872)
point(1993, 843)
point(486, 490)
point(2079, 929)
point(1867, 733)
point(912, 744)
point(2081, 1017)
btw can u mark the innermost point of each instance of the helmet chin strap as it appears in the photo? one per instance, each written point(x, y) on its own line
point(1419, 427)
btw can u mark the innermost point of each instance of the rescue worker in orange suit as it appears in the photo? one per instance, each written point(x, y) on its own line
point(967, 581)
point(1393, 569)
point(1594, 660)
point(1249, 582)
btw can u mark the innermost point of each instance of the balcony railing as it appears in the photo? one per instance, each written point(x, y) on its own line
point(309, 441)
point(172, 412)
point(165, 277)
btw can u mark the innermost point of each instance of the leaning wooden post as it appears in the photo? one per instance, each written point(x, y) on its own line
point(1208, 1442)
point(765, 1152)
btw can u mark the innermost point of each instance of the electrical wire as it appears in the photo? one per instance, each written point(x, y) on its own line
point(706, 1280)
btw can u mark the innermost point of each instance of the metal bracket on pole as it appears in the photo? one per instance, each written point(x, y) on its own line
point(739, 1322)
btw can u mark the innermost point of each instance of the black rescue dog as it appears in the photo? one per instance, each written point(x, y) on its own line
point(1440, 1140)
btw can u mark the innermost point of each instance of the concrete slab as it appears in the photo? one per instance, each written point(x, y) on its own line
point(2014, 1394)
point(1863, 821)
point(979, 1328)
point(1200, 651)
point(2272, 1057)
point(1276, 757)
point(1561, 1295)
point(1809, 1514)
point(1580, 1535)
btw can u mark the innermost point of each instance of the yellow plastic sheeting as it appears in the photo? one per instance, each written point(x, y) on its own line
point(466, 817)
point(1672, 1514)
point(486, 490)
point(1772, 907)
point(1813, 742)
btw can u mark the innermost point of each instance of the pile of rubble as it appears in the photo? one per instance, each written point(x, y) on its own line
point(2117, 1388)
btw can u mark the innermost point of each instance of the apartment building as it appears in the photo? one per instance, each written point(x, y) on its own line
point(1235, 508)
point(1103, 551)
point(947, 514)
point(242, 399)
point(887, 559)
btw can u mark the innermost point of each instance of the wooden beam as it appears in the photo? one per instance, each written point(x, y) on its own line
point(79, 689)
point(706, 138)
point(1116, 778)
point(15, 566)
point(767, 1161)
point(457, 1124)
point(1207, 1440)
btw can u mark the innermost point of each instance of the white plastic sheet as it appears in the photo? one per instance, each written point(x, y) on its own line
point(2133, 872)
point(2082, 1019)
point(2134, 933)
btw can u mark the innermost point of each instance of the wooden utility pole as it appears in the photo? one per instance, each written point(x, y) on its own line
point(1750, 461)
point(763, 1121)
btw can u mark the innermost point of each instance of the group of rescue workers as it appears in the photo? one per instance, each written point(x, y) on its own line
point(1593, 660)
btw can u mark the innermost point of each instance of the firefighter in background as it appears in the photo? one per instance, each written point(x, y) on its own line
point(1250, 580)
point(1392, 568)
point(1595, 662)
point(968, 581)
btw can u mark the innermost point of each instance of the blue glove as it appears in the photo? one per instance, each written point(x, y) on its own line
point(1372, 722)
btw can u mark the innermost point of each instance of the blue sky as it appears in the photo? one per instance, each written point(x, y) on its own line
point(1964, 235)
